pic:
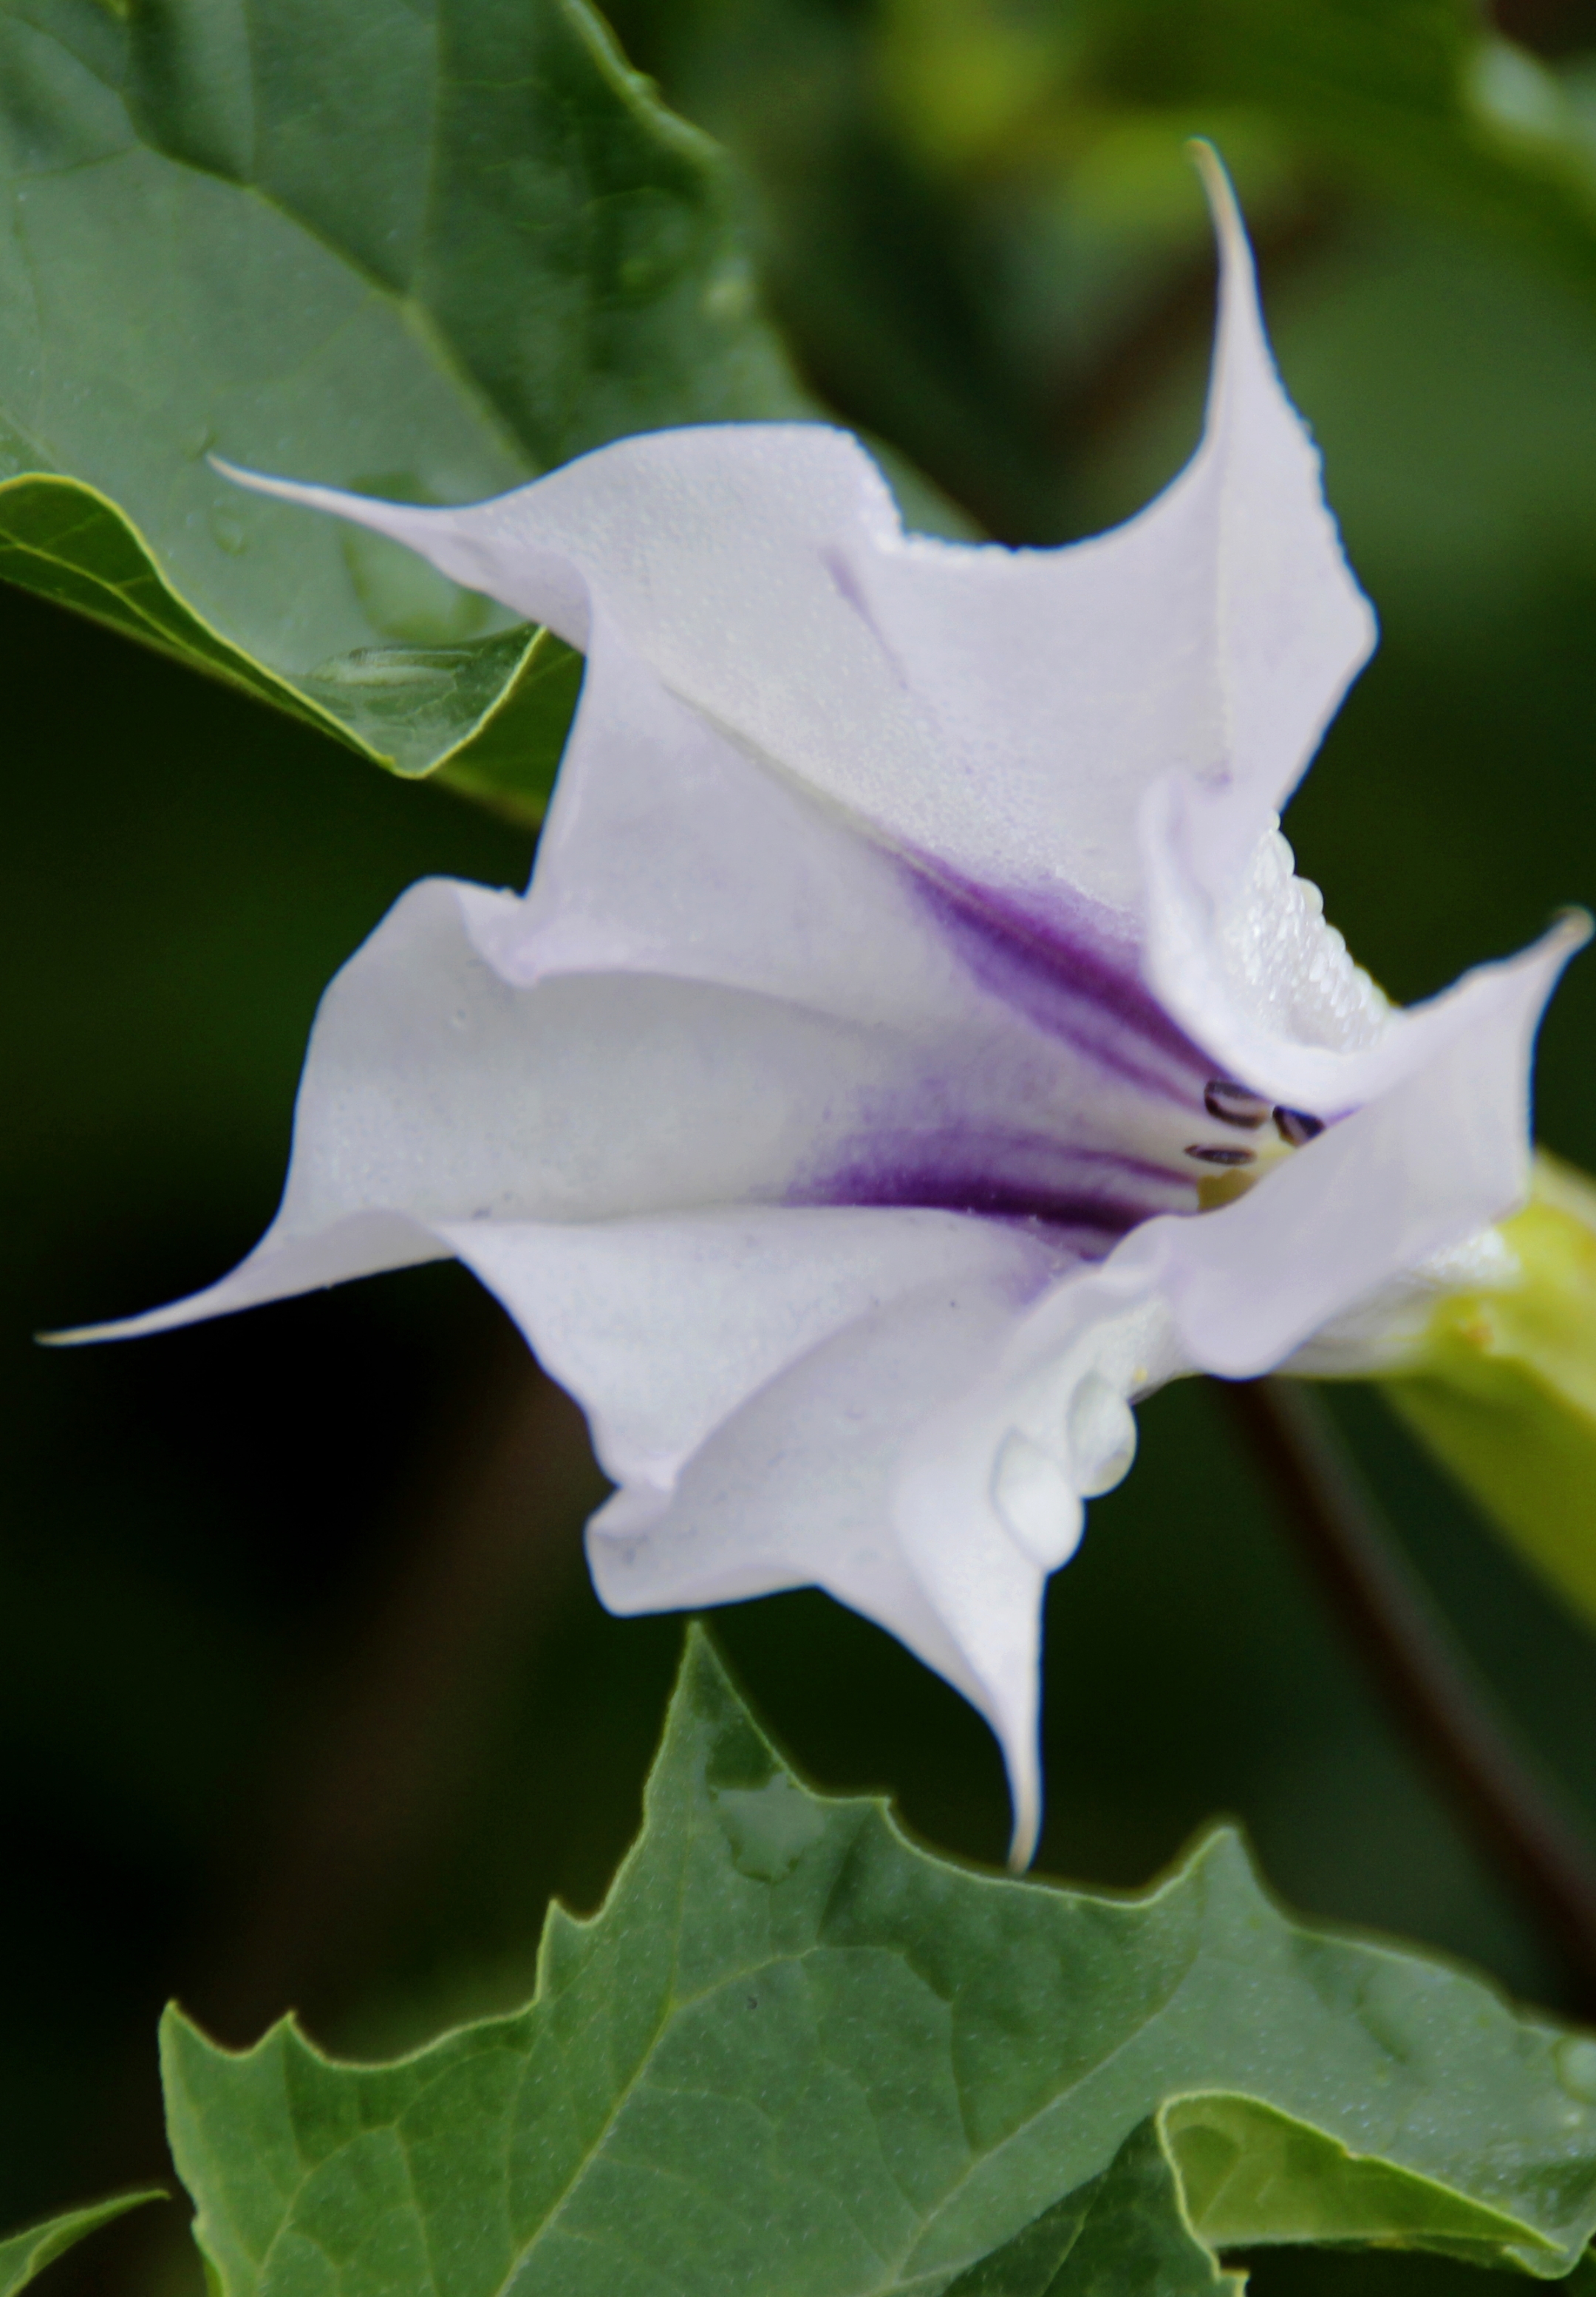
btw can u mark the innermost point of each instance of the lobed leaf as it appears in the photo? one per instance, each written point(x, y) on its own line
point(427, 251)
point(795, 2055)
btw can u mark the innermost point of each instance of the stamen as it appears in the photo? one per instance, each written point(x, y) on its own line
point(1206, 1155)
point(1297, 1128)
point(1234, 1104)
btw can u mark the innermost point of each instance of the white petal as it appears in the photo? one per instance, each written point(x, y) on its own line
point(666, 1326)
point(710, 549)
point(1293, 626)
point(361, 1244)
point(667, 851)
point(715, 992)
point(1381, 1332)
point(923, 1459)
point(1267, 986)
point(1257, 974)
point(1048, 1423)
point(1022, 1073)
point(435, 1091)
point(1441, 1153)
point(1002, 711)
point(759, 1382)
point(1238, 949)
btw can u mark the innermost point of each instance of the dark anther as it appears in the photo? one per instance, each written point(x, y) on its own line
point(1234, 1104)
point(1206, 1156)
point(1295, 1126)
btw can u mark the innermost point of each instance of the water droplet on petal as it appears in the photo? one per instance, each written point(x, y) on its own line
point(1102, 1436)
point(1036, 1500)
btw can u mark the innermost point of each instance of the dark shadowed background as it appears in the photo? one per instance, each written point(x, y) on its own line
point(305, 1698)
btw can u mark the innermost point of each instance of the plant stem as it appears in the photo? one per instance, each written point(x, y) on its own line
point(1425, 1677)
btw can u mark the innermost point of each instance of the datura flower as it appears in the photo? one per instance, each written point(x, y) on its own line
point(914, 1045)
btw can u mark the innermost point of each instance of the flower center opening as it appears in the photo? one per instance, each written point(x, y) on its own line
point(1235, 1169)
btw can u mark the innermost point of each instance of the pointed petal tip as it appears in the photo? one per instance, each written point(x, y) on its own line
point(1572, 927)
point(122, 1328)
point(1546, 959)
point(1222, 203)
point(1022, 1846)
point(362, 510)
point(126, 1328)
point(257, 482)
point(1204, 154)
point(1027, 1822)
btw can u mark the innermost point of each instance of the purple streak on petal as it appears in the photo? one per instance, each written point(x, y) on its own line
point(1074, 975)
point(1093, 1197)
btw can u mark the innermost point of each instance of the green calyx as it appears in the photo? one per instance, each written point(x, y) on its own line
point(1502, 1385)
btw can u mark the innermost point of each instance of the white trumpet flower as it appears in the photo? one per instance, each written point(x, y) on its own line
point(858, 1112)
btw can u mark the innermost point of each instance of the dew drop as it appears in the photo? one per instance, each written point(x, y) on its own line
point(1102, 1436)
point(1036, 1500)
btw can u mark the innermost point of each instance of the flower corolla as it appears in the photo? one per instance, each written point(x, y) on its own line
point(858, 1112)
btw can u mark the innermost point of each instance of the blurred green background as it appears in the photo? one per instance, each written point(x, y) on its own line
point(304, 1699)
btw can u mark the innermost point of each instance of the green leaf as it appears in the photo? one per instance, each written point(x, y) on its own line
point(1125, 2231)
point(795, 2056)
point(26, 2254)
point(1502, 1387)
point(424, 255)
